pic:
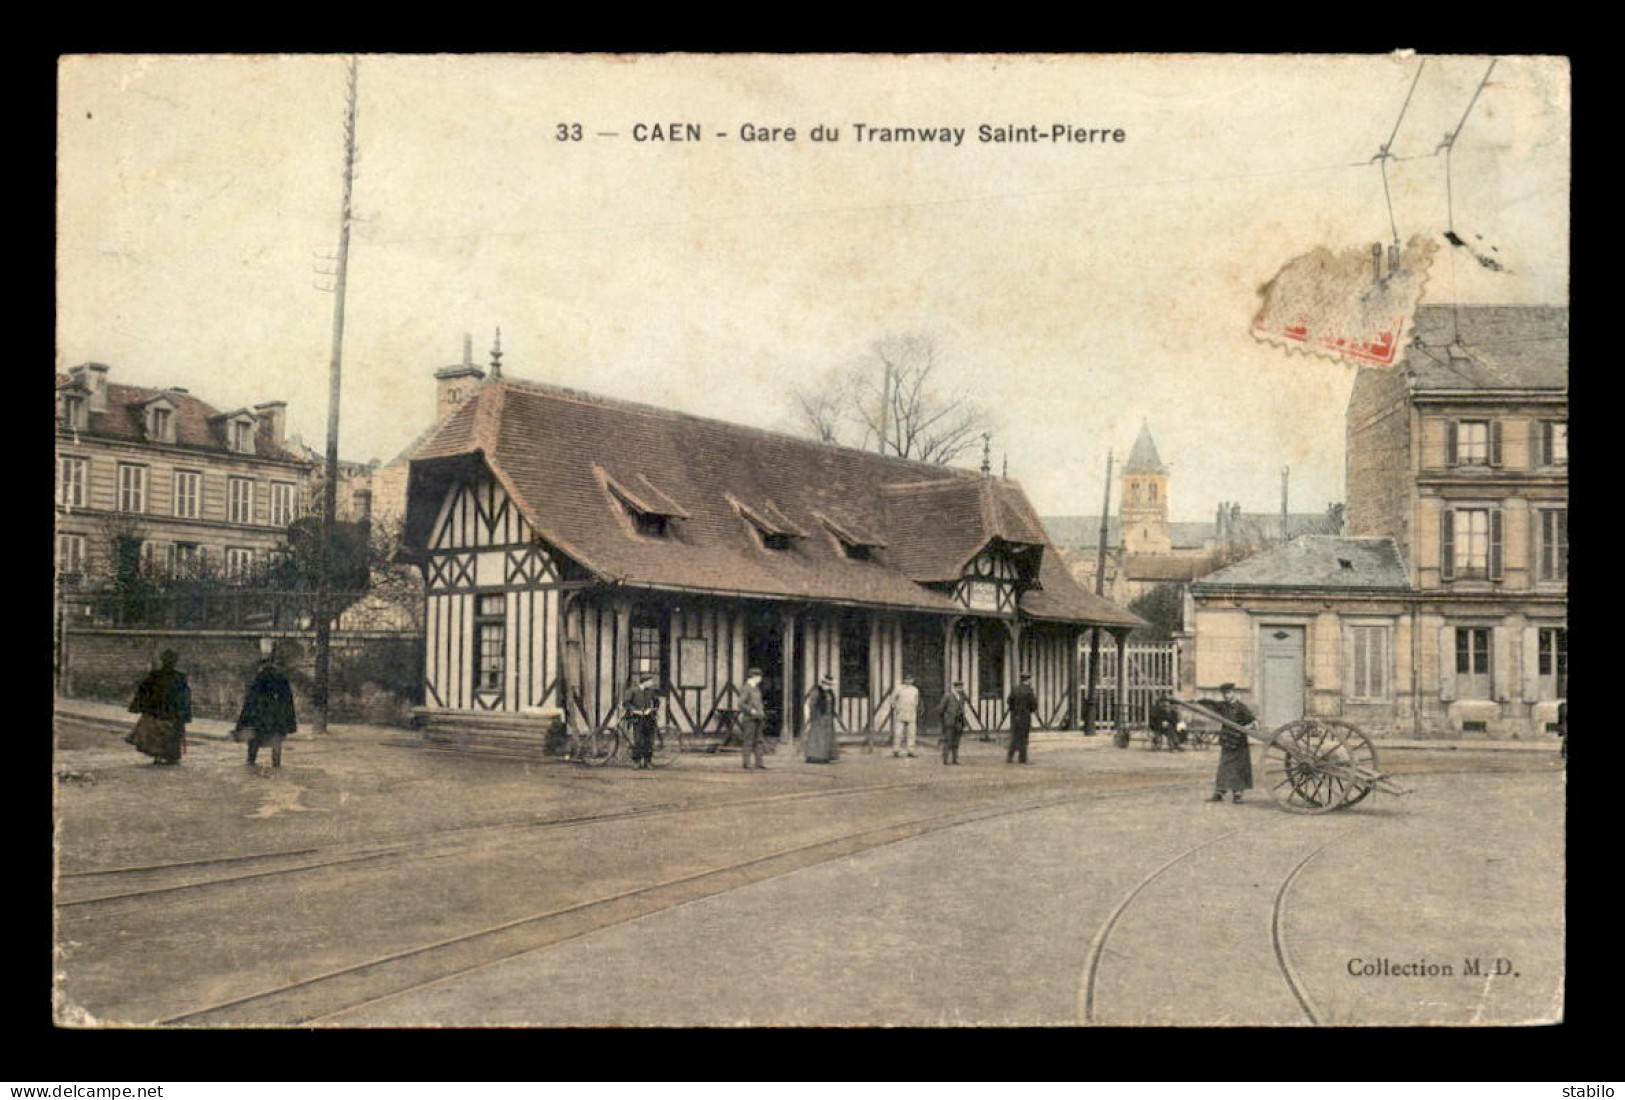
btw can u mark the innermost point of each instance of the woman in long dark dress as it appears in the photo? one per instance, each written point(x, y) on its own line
point(164, 702)
point(821, 723)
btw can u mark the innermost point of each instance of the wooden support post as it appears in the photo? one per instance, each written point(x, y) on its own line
point(1090, 706)
point(1121, 715)
point(790, 720)
point(1012, 658)
point(1073, 638)
point(623, 652)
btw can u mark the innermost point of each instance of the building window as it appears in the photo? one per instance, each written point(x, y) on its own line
point(187, 493)
point(239, 563)
point(990, 659)
point(158, 559)
point(1368, 678)
point(649, 524)
point(188, 559)
point(1554, 450)
point(73, 412)
point(490, 641)
point(1475, 443)
point(1554, 544)
point(240, 436)
point(1473, 662)
point(855, 655)
point(240, 500)
point(647, 646)
point(132, 488)
point(1471, 544)
point(282, 503)
point(160, 424)
point(1554, 661)
point(70, 481)
point(70, 554)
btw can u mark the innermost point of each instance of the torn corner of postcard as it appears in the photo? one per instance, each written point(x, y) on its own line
point(1354, 305)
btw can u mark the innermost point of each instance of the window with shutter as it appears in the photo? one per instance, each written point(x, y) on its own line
point(1496, 554)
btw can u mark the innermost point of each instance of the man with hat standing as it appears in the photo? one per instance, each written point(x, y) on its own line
point(1023, 702)
point(1235, 753)
point(267, 715)
point(752, 715)
point(954, 705)
point(640, 705)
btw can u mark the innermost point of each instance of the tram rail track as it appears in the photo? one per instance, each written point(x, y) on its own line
point(322, 997)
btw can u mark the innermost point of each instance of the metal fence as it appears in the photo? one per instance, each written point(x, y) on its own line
point(217, 607)
point(1153, 667)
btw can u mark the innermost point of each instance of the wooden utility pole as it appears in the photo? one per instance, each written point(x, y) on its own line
point(1100, 590)
point(330, 490)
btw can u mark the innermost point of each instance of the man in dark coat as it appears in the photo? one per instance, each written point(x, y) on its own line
point(1235, 753)
point(1023, 702)
point(164, 701)
point(1164, 719)
point(952, 713)
point(640, 705)
point(267, 713)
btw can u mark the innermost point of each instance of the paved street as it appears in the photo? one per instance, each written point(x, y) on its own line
point(374, 883)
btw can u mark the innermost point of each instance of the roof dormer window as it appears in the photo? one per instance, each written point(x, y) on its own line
point(773, 528)
point(240, 435)
point(855, 543)
point(161, 422)
point(74, 412)
point(650, 510)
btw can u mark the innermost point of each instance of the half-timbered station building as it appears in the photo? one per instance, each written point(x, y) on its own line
point(571, 542)
point(161, 473)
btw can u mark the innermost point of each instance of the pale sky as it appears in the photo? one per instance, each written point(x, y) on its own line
point(1075, 289)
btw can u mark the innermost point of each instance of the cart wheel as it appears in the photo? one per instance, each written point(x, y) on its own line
point(668, 743)
point(1307, 765)
point(600, 746)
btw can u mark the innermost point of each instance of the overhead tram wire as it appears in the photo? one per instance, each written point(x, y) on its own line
point(1449, 146)
point(1385, 154)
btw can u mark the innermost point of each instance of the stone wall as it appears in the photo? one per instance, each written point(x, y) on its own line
point(374, 677)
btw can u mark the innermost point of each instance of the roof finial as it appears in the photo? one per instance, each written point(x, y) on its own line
point(468, 349)
point(1006, 464)
point(496, 355)
point(987, 454)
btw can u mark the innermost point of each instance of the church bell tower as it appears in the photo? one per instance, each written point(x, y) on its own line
point(1143, 510)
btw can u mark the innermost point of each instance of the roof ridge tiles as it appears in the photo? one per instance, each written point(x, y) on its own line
point(568, 393)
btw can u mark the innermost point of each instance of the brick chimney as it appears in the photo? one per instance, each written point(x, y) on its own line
point(274, 415)
point(94, 376)
point(457, 383)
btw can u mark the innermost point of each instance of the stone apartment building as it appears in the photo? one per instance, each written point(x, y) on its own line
point(1462, 457)
point(165, 481)
point(1444, 610)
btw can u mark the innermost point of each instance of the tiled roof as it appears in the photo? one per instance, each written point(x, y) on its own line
point(197, 423)
point(1317, 561)
point(1083, 532)
point(1507, 347)
point(1164, 567)
point(544, 443)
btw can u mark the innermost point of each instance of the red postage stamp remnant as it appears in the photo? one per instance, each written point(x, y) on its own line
point(1355, 305)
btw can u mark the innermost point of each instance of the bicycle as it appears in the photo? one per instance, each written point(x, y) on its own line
point(611, 743)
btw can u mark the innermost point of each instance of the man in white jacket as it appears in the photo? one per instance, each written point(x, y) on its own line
point(905, 715)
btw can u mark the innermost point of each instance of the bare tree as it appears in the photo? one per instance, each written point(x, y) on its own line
point(894, 400)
